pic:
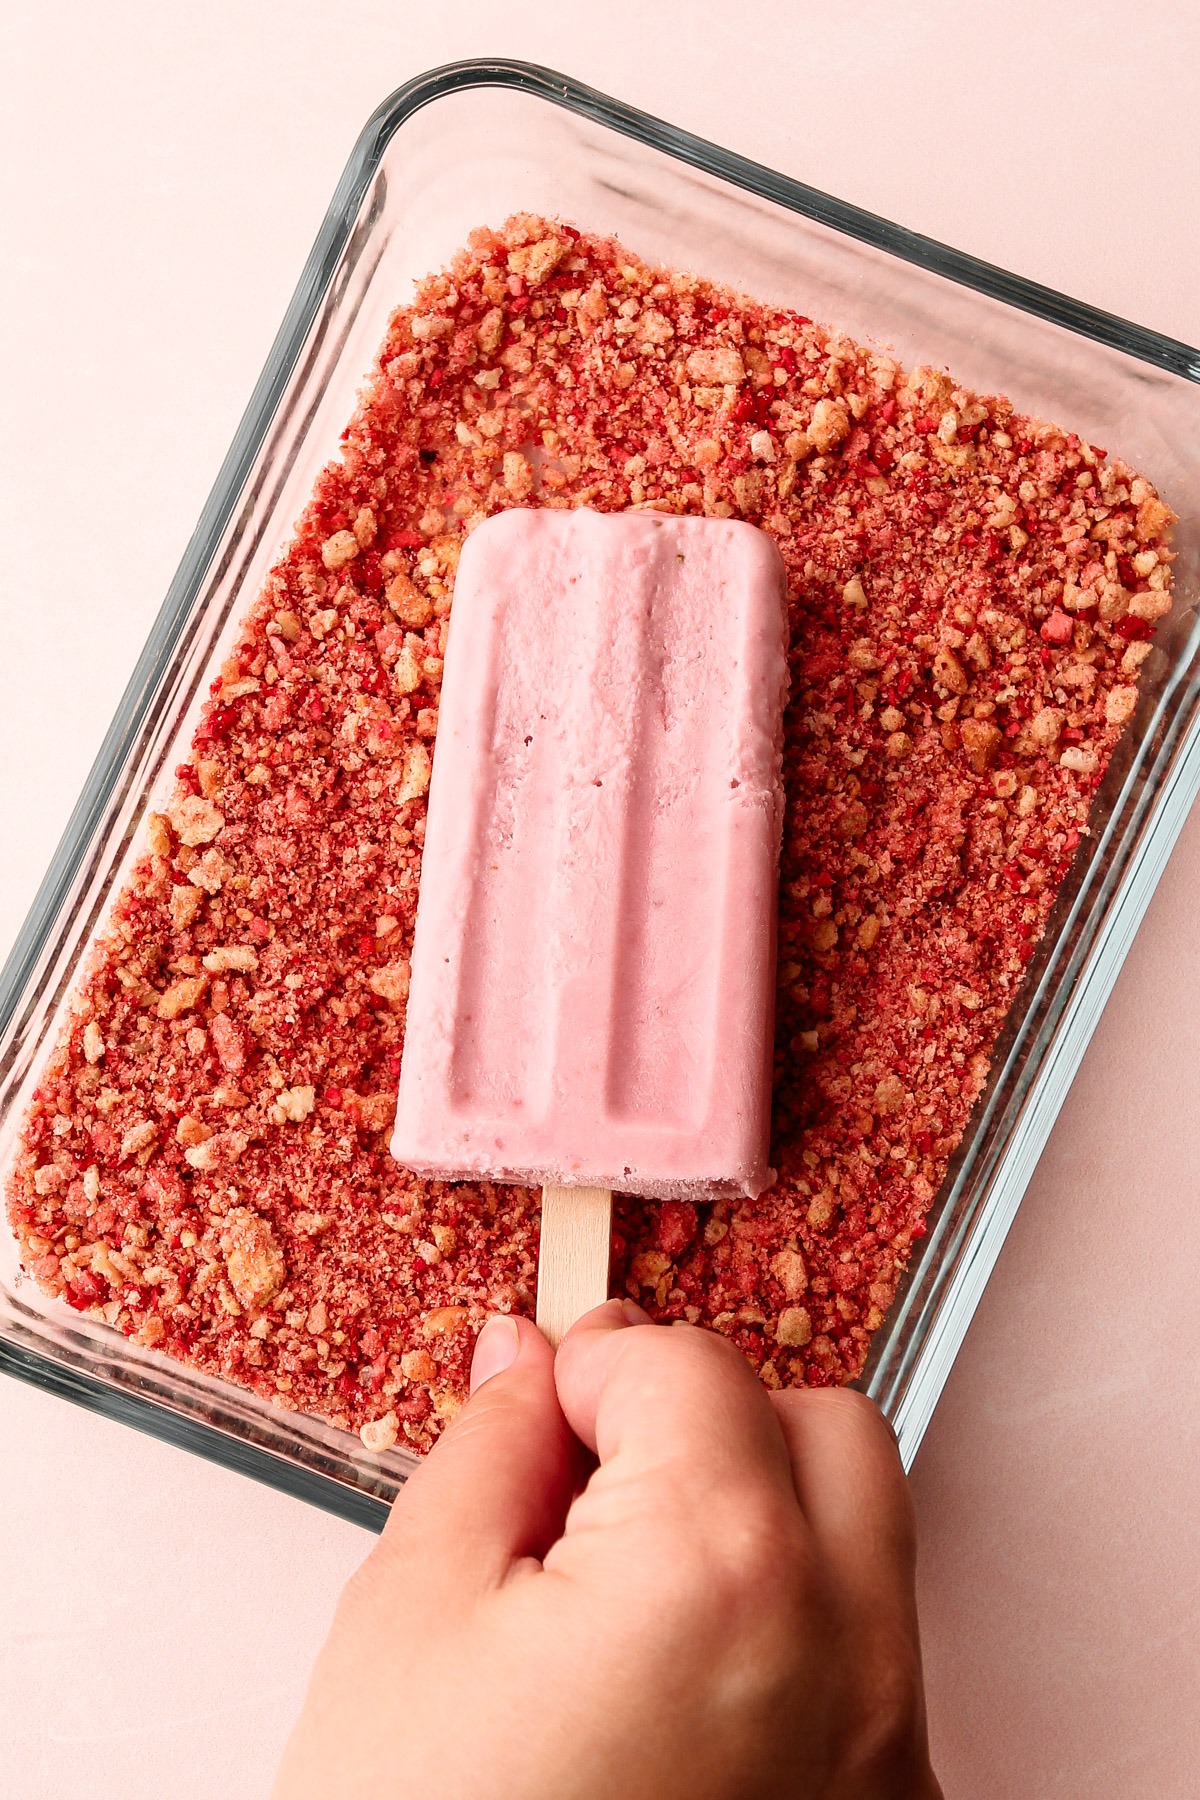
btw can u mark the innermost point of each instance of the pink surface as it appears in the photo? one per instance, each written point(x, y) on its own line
point(165, 170)
point(593, 967)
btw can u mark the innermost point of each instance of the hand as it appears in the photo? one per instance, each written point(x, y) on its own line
point(723, 1609)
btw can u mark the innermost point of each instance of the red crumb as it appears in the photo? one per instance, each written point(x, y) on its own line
point(205, 1163)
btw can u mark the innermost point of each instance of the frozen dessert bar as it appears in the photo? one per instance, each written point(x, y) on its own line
point(593, 968)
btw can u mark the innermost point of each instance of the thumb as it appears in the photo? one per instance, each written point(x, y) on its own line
point(497, 1486)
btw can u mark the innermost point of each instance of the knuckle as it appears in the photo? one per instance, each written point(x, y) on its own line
point(889, 1734)
point(359, 1603)
point(758, 1547)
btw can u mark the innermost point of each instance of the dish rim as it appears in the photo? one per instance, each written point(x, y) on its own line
point(19, 978)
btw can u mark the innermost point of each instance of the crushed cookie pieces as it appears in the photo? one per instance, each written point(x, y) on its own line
point(972, 593)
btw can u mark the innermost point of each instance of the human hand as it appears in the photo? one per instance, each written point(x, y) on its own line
point(723, 1609)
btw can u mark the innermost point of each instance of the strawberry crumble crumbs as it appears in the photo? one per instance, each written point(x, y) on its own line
point(205, 1163)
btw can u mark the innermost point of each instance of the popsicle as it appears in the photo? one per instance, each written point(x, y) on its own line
point(592, 976)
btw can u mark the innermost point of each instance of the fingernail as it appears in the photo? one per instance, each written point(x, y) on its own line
point(634, 1314)
point(495, 1349)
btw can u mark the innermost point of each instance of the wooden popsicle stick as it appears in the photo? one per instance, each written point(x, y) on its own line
point(573, 1260)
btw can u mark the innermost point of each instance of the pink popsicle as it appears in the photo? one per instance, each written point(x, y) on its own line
point(592, 986)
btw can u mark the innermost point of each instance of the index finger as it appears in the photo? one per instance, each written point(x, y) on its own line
point(661, 1395)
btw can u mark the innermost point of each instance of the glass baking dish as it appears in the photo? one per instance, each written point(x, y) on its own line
point(466, 145)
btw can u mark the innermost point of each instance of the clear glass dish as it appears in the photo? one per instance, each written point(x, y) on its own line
point(467, 145)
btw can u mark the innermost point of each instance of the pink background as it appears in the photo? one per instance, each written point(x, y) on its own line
point(165, 167)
